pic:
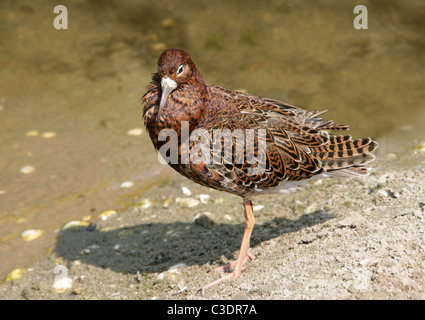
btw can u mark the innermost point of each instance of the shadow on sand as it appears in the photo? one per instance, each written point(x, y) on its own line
point(155, 247)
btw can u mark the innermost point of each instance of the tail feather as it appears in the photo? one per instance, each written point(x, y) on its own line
point(343, 156)
point(349, 172)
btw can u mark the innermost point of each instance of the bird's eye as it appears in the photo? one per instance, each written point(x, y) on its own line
point(180, 70)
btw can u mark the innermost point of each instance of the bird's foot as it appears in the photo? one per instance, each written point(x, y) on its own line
point(231, 265)
point(233, 275)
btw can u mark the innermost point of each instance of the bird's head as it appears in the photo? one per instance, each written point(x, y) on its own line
point(175, 68)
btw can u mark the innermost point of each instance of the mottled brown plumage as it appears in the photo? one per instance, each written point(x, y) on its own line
point(298, 147)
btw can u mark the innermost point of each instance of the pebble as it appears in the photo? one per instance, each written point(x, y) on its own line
point(75, 224)
point(258, 207)
point(159, 46)
point(26, 293)
point(389, 193)
point(175, 267)
point(76, 263)
point(27, 169)
point(3, 192)
point(166, 202)
point(144, 204)
point(310, 209)
point(87, 217)
point(76, 292)
point(127, 184)
point(106, 214)
point(367, 262)
point(202, 219)
point(48, 134)
point(135, 132)
point(187, 202)
point(32, 133)
point(204, 198)
point(15, 274)
point(61, 284)
point(420, 147)
point(186, 191)
point(91, 227)
point(31, 234)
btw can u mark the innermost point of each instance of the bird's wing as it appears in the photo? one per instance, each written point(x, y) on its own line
point(297, 147)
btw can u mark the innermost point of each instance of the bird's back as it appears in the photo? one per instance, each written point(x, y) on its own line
point(298, 146)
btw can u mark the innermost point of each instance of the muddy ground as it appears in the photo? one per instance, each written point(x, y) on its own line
point(359, 238)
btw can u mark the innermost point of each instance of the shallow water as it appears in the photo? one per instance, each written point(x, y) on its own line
point(84, 84)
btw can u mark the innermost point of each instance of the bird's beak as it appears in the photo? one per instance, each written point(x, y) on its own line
point(167, 85)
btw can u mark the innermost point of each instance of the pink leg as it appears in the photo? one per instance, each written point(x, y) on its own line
point(244, 254)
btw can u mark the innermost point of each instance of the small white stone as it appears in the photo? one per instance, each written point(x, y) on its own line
point(166, 202)
point(62, 284)
point(310, 209)
point(48, 134)
point(258, 207)
point(420, 147)
point(175, 268)
point(32, 133)
point(188, 202)
point(32, 234)
point(204, 198)
point(186, 191)
point(27, 169)
point(383, 193)
point(106, 214)
point(135, 132)
point(144, 204)
point(75, 223)
point(127, 184)
point(15, 274)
